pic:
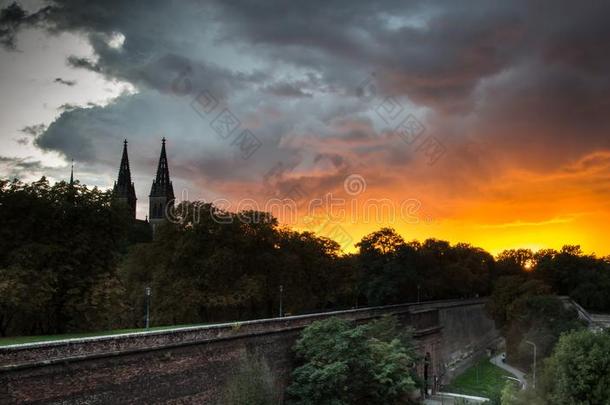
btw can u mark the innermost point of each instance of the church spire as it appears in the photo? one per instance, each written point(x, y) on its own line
point(72, 173)
point(162, 185)
point(124, 189)
point(162, 192)
point(124, 171)
point(71, 196)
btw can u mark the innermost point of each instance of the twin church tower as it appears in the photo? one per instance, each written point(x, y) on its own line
point(161, 193)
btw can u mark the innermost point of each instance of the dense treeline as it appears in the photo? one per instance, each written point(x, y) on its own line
point(59, 248)
point(577, 372)
point(585, 278)
point(526, 311)
point(205, 270)
point(66, 264)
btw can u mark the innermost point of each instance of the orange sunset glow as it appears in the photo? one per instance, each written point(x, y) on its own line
point(492, 127)
point(304, 202)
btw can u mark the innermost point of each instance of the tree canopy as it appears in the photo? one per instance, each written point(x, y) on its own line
point(69, 262)
point(59, 248)
point(347, 364)
point(576, 373)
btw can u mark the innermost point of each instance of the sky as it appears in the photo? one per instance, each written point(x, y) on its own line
point(483, 122)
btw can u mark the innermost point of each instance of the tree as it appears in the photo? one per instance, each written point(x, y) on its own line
point(512, 395)
point(62, 242)
point(347, 364)
point(513, 262)
point(382, 242)
point(578, 372)
point(507, 290)
point(540, 319)
point(570, 272)
point(394, 271)
point(215, 266)
point(524, 310)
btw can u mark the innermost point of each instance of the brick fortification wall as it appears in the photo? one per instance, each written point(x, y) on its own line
point(467, 333)
point(191, 365)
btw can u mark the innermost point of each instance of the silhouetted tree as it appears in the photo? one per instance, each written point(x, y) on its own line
point(59, 247)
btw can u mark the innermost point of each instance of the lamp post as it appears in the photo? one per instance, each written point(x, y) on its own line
point(147, 292)
point(418, 288)
point(533, 344)
point(281, 298)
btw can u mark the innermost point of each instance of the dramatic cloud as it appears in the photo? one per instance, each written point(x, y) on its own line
point(13, 18)
point(435, 101)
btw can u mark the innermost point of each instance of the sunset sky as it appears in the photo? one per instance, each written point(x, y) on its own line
point(482, 122)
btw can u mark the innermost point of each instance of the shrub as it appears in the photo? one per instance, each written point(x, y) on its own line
point(347, 364)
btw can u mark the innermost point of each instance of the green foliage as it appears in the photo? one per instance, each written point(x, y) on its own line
point(578, 372)
point(513, 262)
point(512, 395)
point(525, 311)
point(585, 278)
point(67, 264)
point(539, 319)
point(481, 379)
point(509, 394)
point(14, 340)
point(394, 271)
point(205, 270)
point(347, 364)
point(251, 384)
point(59, 246)
point(507, 290)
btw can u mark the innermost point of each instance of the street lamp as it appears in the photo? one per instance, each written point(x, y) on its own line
point(418, 288)
point(533, 344)
point(147, 292)
point(281, 296)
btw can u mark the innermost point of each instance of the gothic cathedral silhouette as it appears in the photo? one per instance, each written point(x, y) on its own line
point(161, 196)
point(124, 190)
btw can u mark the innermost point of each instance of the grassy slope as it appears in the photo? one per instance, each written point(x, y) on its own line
point(482, 379)
point(46, 338)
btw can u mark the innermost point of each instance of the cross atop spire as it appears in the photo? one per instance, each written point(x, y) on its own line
point(124, 179)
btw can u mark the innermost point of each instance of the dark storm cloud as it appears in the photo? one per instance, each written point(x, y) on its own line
point(10, 20)
point(516, 75)
point(440, 53)
point(21, 163)
point(13, 18)
point(16, 168)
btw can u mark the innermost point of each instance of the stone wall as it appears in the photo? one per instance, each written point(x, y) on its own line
point(191, 365)
point(467, 333)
